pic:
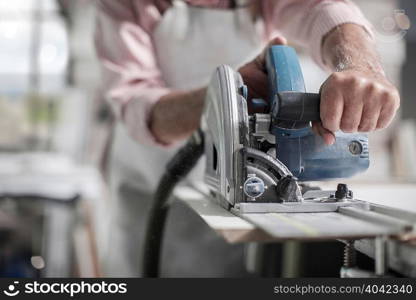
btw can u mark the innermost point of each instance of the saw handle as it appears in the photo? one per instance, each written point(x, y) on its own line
point(287, 93)
point(297, 106)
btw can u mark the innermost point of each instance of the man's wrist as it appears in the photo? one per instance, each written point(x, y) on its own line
point(350, 47)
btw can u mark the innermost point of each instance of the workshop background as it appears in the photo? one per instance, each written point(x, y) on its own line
point(54, 126)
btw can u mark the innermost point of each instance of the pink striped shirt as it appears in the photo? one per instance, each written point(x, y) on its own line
point(131, 75)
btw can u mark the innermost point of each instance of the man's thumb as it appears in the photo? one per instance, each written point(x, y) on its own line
point(279, 40)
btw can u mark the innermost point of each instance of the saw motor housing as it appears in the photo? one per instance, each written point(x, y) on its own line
point(259, 158)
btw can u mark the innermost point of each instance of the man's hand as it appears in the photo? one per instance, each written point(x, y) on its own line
point(357, 97)
point(255, 76)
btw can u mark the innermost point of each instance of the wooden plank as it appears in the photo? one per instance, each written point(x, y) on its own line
point(309, 226)
point(232, 228)
point(316, 226)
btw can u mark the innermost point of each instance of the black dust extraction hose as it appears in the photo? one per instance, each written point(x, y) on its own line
point(179, 166)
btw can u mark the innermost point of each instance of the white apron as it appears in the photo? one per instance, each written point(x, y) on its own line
point(190, 43)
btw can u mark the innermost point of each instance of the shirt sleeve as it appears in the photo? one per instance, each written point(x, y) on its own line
point(306, 22)
point(132, 79)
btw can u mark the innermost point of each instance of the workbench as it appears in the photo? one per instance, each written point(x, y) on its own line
point(401, 253)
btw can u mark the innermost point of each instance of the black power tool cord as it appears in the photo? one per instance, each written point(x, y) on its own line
point(178, 167)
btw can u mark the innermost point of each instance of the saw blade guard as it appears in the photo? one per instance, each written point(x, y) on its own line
point(236, 171)
point(225, 123)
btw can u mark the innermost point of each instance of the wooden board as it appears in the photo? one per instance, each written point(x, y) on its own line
point(300, 226)
point(401, 253)
point(232, 228)
point(316, 226)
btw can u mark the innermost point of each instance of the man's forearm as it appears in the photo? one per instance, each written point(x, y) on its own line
point(176, 115)
point(349, 46)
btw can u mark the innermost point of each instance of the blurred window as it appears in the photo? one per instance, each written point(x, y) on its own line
point(34, 55)
point(24, 26)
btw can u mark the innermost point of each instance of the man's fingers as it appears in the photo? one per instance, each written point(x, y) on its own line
point(386, 116)
point(353, 89)
point(369, 118)
point(327, 136)
point(331, 107)
point(371, 111)
point(354, 102)
point(331, 112)
point(391, 103)
point(351, 116)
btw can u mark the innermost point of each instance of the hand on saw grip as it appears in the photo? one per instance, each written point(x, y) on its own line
point(255, 76)
point(356, 101)
point(357, 97)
